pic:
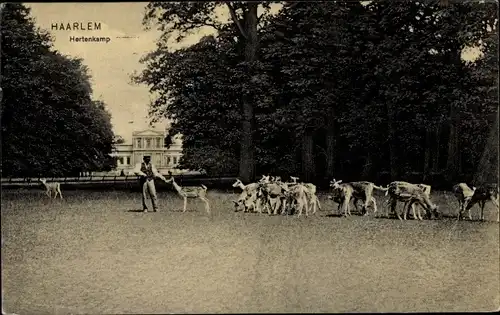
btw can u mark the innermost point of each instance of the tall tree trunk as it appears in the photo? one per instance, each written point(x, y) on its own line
point(367, 167)
point(436, 148)
point(247, 158)
point(452, 156)
point(392, 135)
point(308, 166)
point(487, 170)
point(452, 161)
point(427, 152)
point(330, 147)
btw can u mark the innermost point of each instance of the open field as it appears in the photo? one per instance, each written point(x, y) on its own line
point(90, 254)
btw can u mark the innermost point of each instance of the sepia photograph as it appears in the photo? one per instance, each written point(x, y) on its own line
point(249, 157)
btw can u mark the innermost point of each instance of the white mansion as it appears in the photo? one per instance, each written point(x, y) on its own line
point(149, 143)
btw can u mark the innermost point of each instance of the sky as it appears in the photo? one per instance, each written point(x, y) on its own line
point(112, 63)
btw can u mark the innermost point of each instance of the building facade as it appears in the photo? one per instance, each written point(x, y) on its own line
point(149, 143)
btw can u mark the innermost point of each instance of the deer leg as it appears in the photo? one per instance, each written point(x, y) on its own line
point(299, 207)
point(420, 214)
point(355, 204)
point(185, 203)
point(374, 202)
point(406, 209)
point(313, 204)
point(346, 207)
point(482, 210)
point(416, 214)
point(284, 205)
point(368, 199)
point(276, 206)
point(393, 208)
point(470, 215)
point(269, 206)
point(258, 204)
point(207, 204)
point(460, 210)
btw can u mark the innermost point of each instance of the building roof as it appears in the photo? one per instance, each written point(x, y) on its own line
point(148, 132)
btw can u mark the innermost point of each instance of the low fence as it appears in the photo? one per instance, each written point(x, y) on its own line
point(129, 182)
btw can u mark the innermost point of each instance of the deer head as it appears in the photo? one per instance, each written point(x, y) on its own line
point(237, 183)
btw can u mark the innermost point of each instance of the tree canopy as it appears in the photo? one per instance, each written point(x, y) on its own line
point(339, 88)
point(50, 123)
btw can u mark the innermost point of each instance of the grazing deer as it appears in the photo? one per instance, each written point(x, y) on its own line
point(427, 190)
point(191, 192)
point(410, 194)
point(484, 193)
point(52, 187)
point(248, 192)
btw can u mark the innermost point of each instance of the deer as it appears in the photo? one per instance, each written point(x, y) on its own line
point(339, 195)
point(427, 190)
point(299, 195)
point(52, 187)
point(247, 193)
point(410, 194)
point(313, 199)
point(191, 192)
point(272, 194)
point(359, 190)
point(484, 193)
point(463, 193)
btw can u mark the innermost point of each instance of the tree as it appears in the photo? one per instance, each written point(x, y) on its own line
point(486, 71)
point(49, 127)
point(201, 85)
point(118, 140)
point(183, 18)
point(339, 89)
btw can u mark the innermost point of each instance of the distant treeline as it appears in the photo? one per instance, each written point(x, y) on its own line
point(332, 89)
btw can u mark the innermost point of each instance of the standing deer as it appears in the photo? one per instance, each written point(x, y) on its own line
point(463, 193)
point(52, 187)
point(484, 193)
point(191, 192)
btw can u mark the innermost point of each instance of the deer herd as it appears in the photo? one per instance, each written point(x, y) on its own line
point(274, 196)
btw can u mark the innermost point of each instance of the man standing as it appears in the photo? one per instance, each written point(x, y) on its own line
point(147, 171)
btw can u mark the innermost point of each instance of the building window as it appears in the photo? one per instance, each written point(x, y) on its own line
point(128, 160)
point(168, 160)
point(148, 143)
point(157, 158)
point(158, 142)
point(175, 160)
point(138, 143)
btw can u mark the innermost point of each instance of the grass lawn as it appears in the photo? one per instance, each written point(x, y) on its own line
point(89, 253)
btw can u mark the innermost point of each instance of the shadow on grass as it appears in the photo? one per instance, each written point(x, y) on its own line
point(135, 210)
point(333, 215)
